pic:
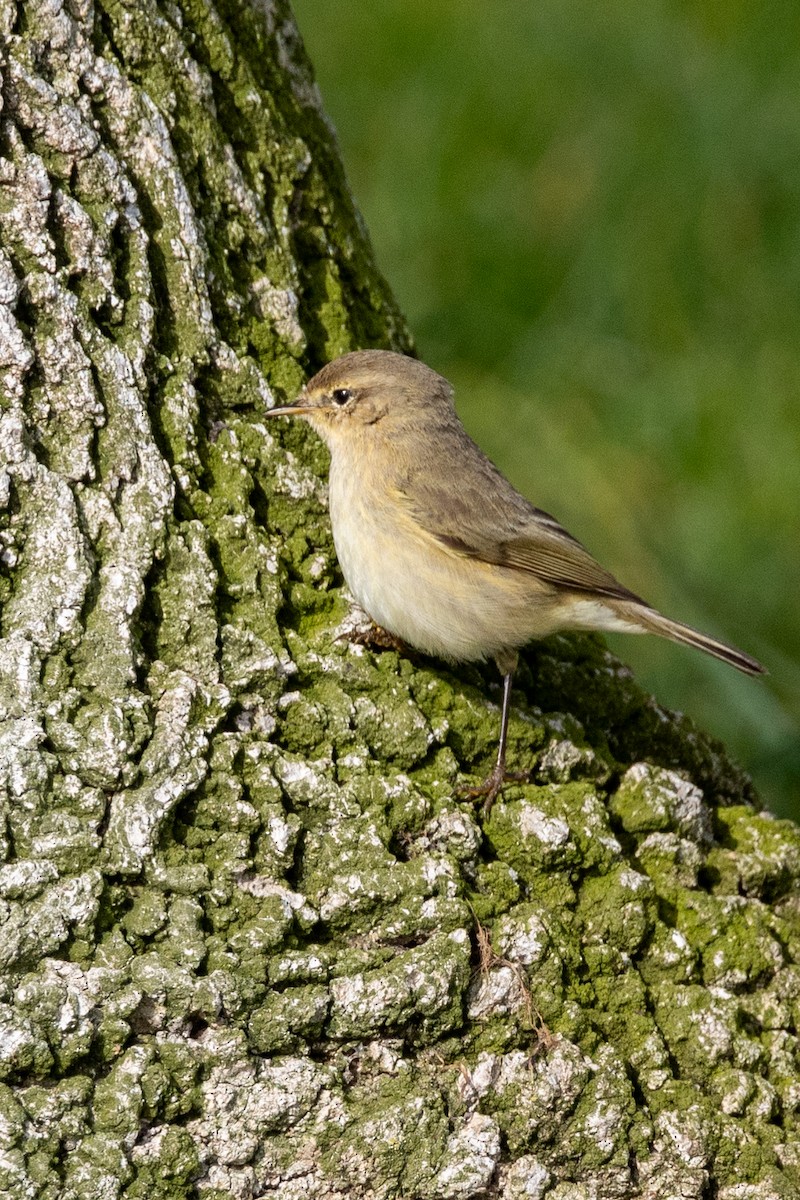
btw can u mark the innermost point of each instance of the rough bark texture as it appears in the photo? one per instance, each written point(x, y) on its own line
point(251, 943)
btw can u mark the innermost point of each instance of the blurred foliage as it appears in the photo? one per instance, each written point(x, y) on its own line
point(591, 216)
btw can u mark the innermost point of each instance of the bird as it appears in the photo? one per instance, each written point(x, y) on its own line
point(439, 548)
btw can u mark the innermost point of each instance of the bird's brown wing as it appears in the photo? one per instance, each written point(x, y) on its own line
point(486, 518)
point(560, 561)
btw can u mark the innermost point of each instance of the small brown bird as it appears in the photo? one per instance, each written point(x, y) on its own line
point(438, 547)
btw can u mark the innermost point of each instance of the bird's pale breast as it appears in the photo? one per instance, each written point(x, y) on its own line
point(434, 598)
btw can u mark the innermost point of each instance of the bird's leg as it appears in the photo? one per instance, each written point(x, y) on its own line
point(492, 786)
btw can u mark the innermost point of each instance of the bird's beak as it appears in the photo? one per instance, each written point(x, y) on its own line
point(286, 410)
point(302, 406)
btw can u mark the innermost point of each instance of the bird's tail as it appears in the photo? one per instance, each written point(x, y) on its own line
point(654, 622)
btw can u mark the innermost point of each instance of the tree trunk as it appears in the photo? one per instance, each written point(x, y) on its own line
point(252, 943)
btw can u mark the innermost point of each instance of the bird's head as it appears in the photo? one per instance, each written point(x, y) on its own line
point(365, 390)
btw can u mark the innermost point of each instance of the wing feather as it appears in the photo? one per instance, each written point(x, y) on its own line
point(487, 519)
point(563, 563)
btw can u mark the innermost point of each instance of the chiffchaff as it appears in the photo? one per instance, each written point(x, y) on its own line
point(438, 547)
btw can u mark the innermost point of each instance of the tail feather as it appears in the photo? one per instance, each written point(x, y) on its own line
point(654, 622)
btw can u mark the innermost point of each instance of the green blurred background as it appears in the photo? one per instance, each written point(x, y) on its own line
point(590, 214)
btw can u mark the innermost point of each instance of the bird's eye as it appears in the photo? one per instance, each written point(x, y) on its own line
point(341, 396)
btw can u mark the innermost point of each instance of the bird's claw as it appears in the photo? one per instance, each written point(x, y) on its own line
point(492, 786)
point(374, 635)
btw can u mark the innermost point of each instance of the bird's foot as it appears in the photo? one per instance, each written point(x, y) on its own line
point(492, 786)
point(375, 636)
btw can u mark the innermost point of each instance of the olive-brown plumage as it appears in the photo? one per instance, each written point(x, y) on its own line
point(435, 543)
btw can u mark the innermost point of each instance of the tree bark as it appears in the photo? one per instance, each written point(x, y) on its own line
point(251, 942)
